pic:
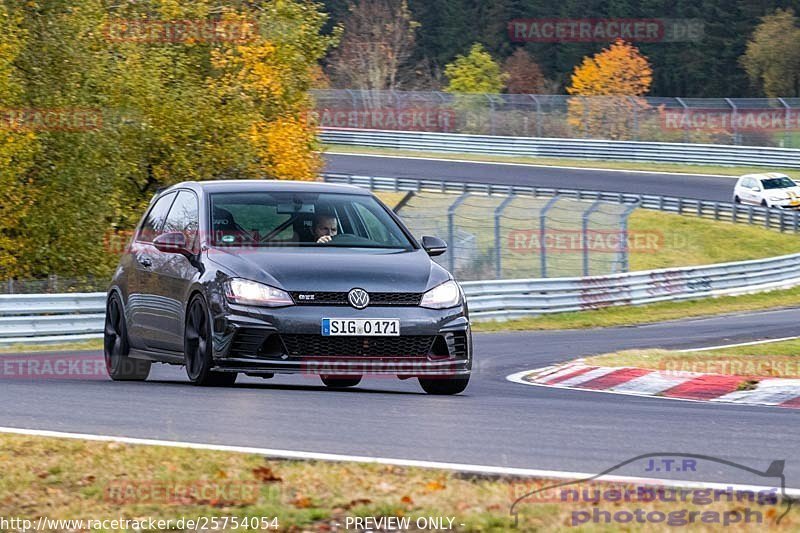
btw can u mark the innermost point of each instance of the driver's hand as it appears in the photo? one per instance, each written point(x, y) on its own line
point(324, 239)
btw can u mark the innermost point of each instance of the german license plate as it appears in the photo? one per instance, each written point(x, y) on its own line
point(371, 327)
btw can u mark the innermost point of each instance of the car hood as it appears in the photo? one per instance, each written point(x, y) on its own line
point(333, 270)
point(789, 192)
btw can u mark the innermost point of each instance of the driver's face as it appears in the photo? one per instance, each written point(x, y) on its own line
point(326, 226)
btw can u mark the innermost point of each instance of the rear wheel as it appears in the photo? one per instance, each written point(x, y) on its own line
point(340, 382)
point(444, 386)
point(197, 348)
point(119, 366)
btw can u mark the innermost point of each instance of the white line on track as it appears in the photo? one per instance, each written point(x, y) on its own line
point(754, 343)
point(477, 469)
point(500, 163)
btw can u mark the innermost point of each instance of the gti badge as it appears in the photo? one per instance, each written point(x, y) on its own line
point(358, 298)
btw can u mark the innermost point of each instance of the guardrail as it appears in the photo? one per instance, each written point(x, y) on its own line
point(772, 218)
point(508, 299)
point(713, 154)
point(49, 318)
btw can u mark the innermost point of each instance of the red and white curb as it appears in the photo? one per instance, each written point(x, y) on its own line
point(673, 385)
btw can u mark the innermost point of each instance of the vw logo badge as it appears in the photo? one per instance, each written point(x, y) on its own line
point(358, 298)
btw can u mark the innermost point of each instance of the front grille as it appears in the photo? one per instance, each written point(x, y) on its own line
point(319, 346)
point(340, 298)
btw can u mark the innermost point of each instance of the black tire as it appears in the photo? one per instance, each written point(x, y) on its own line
point(197, 348)
point(737, 200)
point(764, 204)
point(340, 382)
point(444, 386)
point(119, 366)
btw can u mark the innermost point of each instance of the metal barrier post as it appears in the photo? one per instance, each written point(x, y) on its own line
point(734, 121)
point(685, 119)
point(451, 211)
point(584, 234)
point(498, 256)
point(538, 116)
point(543, 235)
point(786, 122)
point(624, 241)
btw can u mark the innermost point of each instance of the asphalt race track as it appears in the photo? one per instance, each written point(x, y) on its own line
point(495, 422)
point(699, 187)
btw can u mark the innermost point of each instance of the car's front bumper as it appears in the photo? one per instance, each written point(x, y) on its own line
point(787, 203)
point(256, 340)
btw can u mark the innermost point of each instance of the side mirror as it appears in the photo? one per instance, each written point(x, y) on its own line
point(434, 245)
point(173, 242)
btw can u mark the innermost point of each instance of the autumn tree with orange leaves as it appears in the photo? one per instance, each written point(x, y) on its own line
point(607, 89)
point(222, 93)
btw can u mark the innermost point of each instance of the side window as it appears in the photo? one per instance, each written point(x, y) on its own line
point(155, 219)
point(184, 218)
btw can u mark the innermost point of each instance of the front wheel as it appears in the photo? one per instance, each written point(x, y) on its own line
point(340, 382)
point(737, 200)
point(444, 386)
point(197, 349)
point(119, 366)
point(764, 204)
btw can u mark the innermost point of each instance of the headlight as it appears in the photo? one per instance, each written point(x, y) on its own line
point(242, 291)
point(442, 296)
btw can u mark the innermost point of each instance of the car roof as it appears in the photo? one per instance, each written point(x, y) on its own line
point(219, 186)
point(766, 176)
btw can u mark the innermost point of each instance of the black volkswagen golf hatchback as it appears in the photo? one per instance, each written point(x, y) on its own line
point(265, 277)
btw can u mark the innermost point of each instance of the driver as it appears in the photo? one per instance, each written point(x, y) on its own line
point(324, 228)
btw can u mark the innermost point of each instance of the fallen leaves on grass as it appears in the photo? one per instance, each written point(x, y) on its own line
point(264, 474)
point(433, 486)
point(301, 502)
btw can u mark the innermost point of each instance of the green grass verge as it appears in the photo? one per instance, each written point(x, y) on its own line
point(72, 479)
point(769, 360)
point(551, 161)
point(685, 240)
point(645, 314)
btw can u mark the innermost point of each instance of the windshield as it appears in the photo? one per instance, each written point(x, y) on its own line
point(303, 219)
point(777, 183)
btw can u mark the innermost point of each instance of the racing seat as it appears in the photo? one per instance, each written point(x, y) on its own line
point(302, 228)
point(225, 226)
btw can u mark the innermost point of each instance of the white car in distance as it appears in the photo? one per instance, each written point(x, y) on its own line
point(767, 190)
